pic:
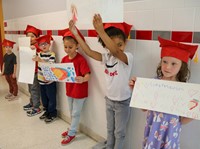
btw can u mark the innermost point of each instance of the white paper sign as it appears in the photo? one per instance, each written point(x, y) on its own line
point(167, 96)
point(83, 11)
point(60, 72)
point(26, 64)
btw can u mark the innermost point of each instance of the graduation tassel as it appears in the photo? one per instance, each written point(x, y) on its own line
point(196, 58)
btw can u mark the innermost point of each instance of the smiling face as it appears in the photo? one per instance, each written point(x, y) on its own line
point(45, 47)
point(119, 42)
point(70, 47)
point(170, 67)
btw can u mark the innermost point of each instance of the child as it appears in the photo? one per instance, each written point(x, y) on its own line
point(47, 88)
point(9, 69)
point(33, 107)
point(118, 65)
point(76, 92)
point(173, 67)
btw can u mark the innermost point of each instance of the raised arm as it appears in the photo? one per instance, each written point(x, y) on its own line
point(91, 53)
point(110, 45)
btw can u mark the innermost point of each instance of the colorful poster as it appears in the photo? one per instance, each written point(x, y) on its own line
point(167, 96)
point(83, 12)
point(60, 72)
point(26, 64)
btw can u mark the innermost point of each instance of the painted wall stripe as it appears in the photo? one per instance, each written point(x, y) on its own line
point(181, 36)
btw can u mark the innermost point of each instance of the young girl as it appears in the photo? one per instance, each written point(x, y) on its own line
point(173, 67)
point(76, 92)
point(33, 107)
point(9, 69)
point(118, 64)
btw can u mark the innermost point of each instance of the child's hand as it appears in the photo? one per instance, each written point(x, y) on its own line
point(14, 75)
point(37, 59)
point(72, 27)
point(79, 79)
point(97, 23)
point(132, 82)
point(32, 47)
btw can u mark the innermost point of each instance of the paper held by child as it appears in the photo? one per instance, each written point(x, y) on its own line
point(167, 96)
point(60, 72)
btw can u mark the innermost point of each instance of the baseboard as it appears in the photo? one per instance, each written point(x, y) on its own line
point(82, 128)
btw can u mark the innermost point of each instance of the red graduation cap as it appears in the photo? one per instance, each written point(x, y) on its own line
point(45, 38)
point(126, 28)
point(34, 30)
point(66, 32)
point(8, 43)
point(176, 49)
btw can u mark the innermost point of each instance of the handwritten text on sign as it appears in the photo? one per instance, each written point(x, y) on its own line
point(167, 96)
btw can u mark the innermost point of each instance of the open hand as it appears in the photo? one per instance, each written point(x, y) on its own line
point(97, 23)
point(72, 27)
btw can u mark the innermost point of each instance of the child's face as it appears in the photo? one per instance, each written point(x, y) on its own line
point(32, 36)
point(70, 47)
point(8, 49)
point(45, 47)
point(119, 42)
point(170, 67)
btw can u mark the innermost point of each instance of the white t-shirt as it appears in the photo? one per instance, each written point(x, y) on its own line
point(117, 74)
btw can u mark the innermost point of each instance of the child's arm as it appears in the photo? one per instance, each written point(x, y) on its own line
point(80, 79)
point(91, 53)
point(2, 73)
point(110, 45)
point(185, 120)
point(15, 70)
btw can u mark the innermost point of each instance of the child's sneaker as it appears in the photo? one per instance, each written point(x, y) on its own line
point(44, 115)
point(67, 140)
point(28, 107)
point(11, 98)
point(50, 119)
point(34, 112)
point(8, 96)
point(64, 134)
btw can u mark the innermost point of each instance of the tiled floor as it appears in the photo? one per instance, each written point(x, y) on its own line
point(18, 131)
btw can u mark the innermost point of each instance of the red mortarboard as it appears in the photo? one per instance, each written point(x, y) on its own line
point(34, 30)
point(8, 43)
point(176, 49)
point(122, 26)
point(67, 32)
point(45, 38)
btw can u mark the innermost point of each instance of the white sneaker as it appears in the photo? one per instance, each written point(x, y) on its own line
point(8, 96)
point(12, 98)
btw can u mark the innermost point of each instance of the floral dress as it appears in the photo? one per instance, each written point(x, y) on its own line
point(162, 131)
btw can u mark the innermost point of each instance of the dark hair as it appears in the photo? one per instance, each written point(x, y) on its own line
point(70, 38)
point(113, 32)
point(182, 76)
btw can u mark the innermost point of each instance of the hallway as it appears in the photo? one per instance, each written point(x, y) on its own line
point(18, 131)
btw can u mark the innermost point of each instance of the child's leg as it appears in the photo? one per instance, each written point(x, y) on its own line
point(44, 97)
point(15, 86)
point(8, 79)
point(122, 112)
point(51, 95)
point(76, 112)
point(110, 123)
point(34, 90)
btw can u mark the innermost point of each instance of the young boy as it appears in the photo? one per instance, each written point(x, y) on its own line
point(47, 88)
point(33, 107)
point(9, 69)
point(118, 65)
point(76, 92)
